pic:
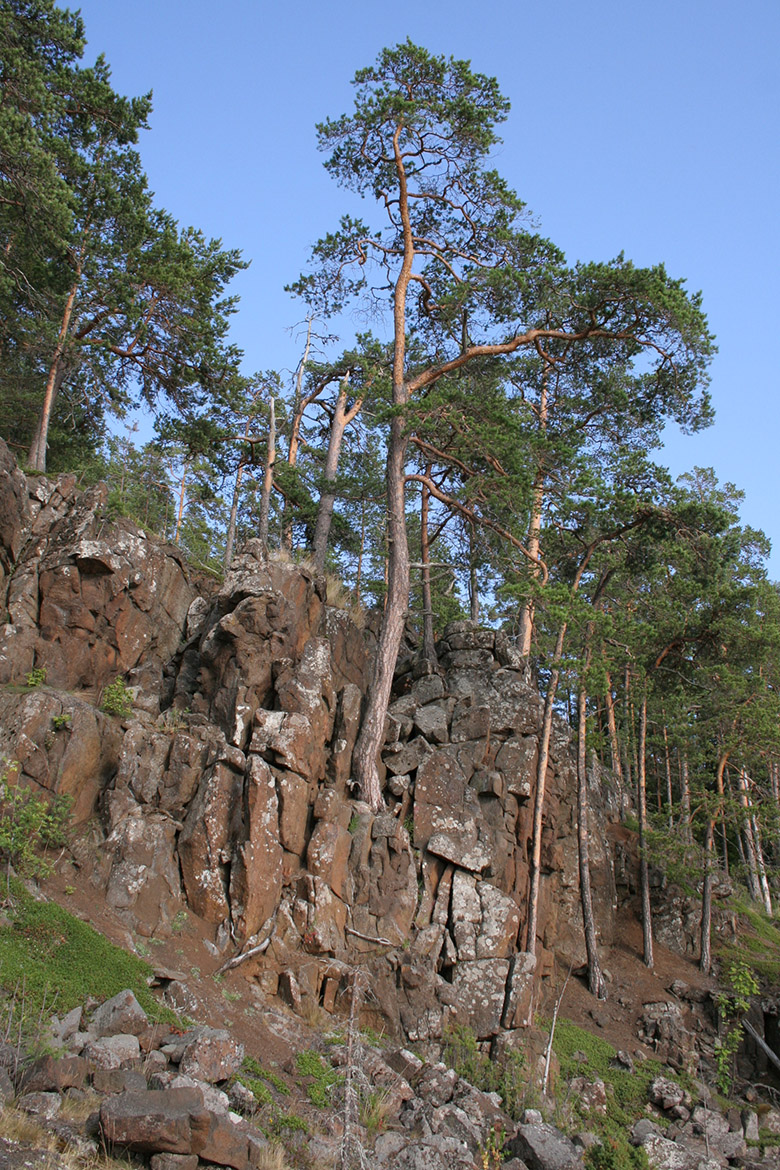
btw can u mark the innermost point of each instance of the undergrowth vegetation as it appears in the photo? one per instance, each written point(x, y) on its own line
point(51, 961)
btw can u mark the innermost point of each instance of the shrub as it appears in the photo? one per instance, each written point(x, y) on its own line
point(28, 822)
point(35, 677)
point(117, 699)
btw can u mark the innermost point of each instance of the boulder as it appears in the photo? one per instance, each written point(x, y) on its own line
point(543, 1147)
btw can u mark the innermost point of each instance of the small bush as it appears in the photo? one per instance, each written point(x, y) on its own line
point(117, 699)
point(35, 677)
point(506, 1076)
point(321, 1078)
point(28, 822)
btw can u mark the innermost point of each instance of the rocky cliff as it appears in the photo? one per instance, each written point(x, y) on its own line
point(226, 790)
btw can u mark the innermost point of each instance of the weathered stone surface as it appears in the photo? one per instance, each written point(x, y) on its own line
point(211, 1056)
point(50, 1074)
point(121, 1013)
point(543, 1147)
point(44, 1105)
point(205, 842)
point(157, 1120)
point(468, 854)
point(500, 922)
point(590, 1095)
point(479, 990)
point(112, 1051)
point(431, 722)
point(256, 871)
point(517, 759)
point(666, 1093)
point(519, 1001)
point(118, 1080)
point(664, 1154)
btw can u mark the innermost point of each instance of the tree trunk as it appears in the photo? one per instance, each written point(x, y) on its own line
point(429, 646)
point(685, 800)
point(596, 981)
point(268, 477)
point(541, 781)
point(371, 735)
point(669, 793)
point(705, 960)
point(644, 874)
point(230, 540)
point(525, 635)
point(759, 888)
point(182, 496)
point(341, 420)
point(369, 742)
point(473, 583)
point(37, 455)
point(299, 407)
point(625, 741)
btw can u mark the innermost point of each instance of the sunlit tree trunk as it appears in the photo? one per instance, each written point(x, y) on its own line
point(539, 796)
point(705, 960)
point(342, 417)
point(38, 447)
point(596, 981)
point(268, 475)
point(644, 870)
point(429, 647)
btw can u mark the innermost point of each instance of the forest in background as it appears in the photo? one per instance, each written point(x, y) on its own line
point(482, 449)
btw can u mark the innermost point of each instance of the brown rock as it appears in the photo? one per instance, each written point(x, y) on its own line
point(159, 1120)
point(211, 1056)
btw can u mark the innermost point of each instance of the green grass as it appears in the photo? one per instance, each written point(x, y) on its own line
point(627, 1094)
point(320, 1078)
point(254, 1069)
point(50, 959)
point(757, 942)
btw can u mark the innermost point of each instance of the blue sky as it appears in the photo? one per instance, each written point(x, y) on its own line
point(650, 129)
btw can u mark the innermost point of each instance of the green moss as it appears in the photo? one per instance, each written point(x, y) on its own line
point(51, 959)
point(253, 1068)
point(320, 1076)
point(627, 1093)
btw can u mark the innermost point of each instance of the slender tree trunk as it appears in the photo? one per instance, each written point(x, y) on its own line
point(705, 960)
point(230, 540)
point(473, 582)
point(541, 782)
point(669, 793)
point(342, 417)
point(359, 576)
point(758, 888)
point(429, 645)
point(37, 455)
point(182, 497)
point(596, 981)
point(268, 477)
point(295, 434)
point(369, 741)
point(614, 742)
point(535, 527)
point(685, 800)
point(644, 874)
point(625, 741)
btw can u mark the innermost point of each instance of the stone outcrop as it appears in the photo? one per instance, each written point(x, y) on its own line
point(227, 789)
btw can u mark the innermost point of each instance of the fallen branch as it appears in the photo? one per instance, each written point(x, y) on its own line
point(762, 1044)
point(382, 942)
point(548, 1053)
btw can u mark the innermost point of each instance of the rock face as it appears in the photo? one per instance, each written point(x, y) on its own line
point(227, 790)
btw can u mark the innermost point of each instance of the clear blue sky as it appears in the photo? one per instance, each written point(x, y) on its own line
point(645, 128)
